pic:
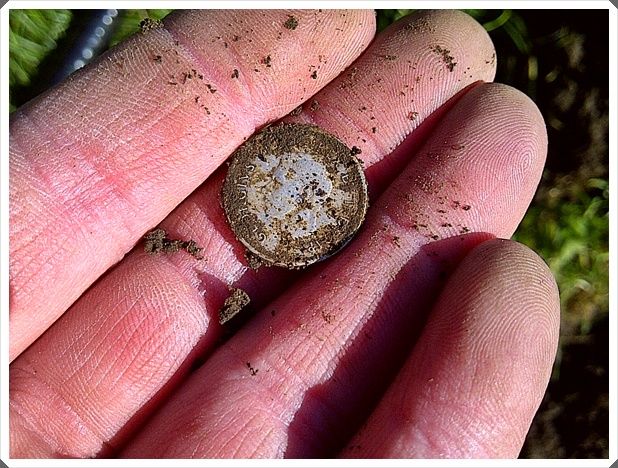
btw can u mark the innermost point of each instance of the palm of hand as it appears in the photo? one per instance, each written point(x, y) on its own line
point(441, 338)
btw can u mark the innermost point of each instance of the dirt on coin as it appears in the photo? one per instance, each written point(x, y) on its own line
point(294, 194)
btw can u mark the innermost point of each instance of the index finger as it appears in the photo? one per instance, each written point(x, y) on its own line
point(110, 152)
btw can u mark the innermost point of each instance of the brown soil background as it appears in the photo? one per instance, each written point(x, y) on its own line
point(571, 48)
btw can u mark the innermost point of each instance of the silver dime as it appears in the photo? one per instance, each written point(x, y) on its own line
point(294, 195)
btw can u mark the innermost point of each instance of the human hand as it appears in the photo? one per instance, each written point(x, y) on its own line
point(436, 334)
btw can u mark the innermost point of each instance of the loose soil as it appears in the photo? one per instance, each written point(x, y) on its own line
point(291, 23)
point(156, 241)
point(237, 301)
point(148, 24)
point(447, 58)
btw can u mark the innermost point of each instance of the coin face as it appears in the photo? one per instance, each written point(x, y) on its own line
point(294, 195)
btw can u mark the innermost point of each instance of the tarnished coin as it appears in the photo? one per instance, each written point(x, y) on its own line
point(294, 195)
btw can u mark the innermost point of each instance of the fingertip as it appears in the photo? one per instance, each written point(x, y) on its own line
point(499, 316)
point(479, 371)
point(505, 304)
point(411, 69)
point(521, 276)
point(489, 150)
point(522, 109)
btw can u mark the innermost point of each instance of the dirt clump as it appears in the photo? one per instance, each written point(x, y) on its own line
point(447, 58)
point(291, 23)
point(235, 302)
point(156, 242)
point(148, 24)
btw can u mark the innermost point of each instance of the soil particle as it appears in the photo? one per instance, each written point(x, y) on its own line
point(447, 58)
point(252, 370)
point(237, 300)
point(266, 61)
point(291, 23)
point(355, 150)
point(193, 249)
point(420, 26)
point(328, 318)
point(235, 73)
point(314, 75)
point(315, 105)
point(156, 241)
point(412, 115)
point(148, 24)
point(350, 78)
point(253, 260)
point(296, 111)
point(465, 207)
point(211, 88)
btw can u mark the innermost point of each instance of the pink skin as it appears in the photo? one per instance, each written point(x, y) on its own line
point(110, 152)
point(361, 310)
point(426, 412)
point(85, 387)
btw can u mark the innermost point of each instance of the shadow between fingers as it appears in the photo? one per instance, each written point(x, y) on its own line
point(333, 411)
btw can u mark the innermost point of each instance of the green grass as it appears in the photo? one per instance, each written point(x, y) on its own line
point(32, 36)
point(568, 226)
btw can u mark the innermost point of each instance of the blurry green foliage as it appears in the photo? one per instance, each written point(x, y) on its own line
point(32, 35)
point(568, 226)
